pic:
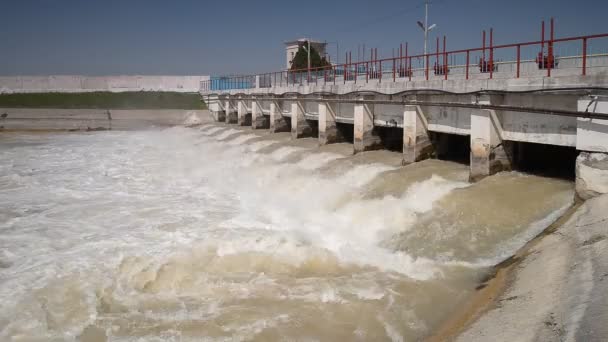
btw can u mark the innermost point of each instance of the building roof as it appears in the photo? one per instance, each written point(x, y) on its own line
point(301, 40)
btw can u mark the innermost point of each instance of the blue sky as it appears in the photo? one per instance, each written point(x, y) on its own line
point(215, 37)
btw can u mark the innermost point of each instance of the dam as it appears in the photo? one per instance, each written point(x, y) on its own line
point(510, 114)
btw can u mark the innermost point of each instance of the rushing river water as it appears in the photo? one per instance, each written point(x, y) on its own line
point(214, 233)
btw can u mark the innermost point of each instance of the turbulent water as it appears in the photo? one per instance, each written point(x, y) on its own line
point(217, 233)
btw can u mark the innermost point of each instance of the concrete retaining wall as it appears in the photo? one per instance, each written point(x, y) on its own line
point(72, 84)
point(17, 119)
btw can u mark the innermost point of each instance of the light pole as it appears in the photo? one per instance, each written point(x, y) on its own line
point(337, 51)
point(308, 55)
point(426, 28)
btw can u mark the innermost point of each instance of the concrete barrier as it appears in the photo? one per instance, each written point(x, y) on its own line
point(19, 119)
point(77, 83)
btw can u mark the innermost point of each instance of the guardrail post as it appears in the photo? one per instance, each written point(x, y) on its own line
point(334, 68)
point(427, 67)
point(518, 58)
point(409, 70)
point(584, 56)
point(467, 66)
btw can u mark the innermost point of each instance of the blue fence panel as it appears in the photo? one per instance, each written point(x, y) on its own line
point(228, 82)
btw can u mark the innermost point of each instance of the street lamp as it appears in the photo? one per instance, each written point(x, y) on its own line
point(426, 28)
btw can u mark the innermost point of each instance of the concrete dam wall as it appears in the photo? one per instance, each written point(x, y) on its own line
point(29, 119)
point(79, 83)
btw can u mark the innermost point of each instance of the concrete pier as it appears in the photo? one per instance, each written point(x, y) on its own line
point(365, 138)
point(258, 120)
point(487, 150)
point(231, 113)
point(243, 116)
point(278, 123)
point(219, 115)
point(488, 155)
point(299, 126)
point(592, 136)
point(328, 130)
point(416, 142)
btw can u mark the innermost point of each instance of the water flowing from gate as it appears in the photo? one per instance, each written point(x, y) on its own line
point(220, 233)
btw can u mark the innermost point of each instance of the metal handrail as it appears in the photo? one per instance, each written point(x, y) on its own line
point(373, 68)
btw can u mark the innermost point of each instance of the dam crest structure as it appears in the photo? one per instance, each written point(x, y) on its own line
point(546, 112)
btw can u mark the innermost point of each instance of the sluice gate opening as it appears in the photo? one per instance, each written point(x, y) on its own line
point(543, 159)
point(391, 138)
point(345, 132)
point(451, 147)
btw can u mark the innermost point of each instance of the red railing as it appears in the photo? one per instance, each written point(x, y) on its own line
point(508, 60)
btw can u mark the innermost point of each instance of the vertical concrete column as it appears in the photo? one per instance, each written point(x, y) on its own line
point(365, 137)
point(277, 121)
point(220, 115)
point(242, 119)
point(488, 154)
point(592, 140)
point(214, 107)
point(258, 120)
point(592, 134)
point(231, 114)
point(299, 126)
point(416, 142)
point(328, 131)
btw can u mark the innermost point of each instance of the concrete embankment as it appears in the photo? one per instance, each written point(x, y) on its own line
point(557, 292)
point(81, 83)
point(19, 119)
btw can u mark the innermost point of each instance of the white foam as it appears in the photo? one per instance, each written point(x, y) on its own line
point(316, 160)
point(225, 134)
point(258, 145)
point(241, 139)
point(422, 195)
point(284, 152)
point(192, 118)
point(363, 174)
point(213, 130)
point(206, 127)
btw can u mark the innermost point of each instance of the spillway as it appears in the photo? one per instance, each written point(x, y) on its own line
point(221, 233)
